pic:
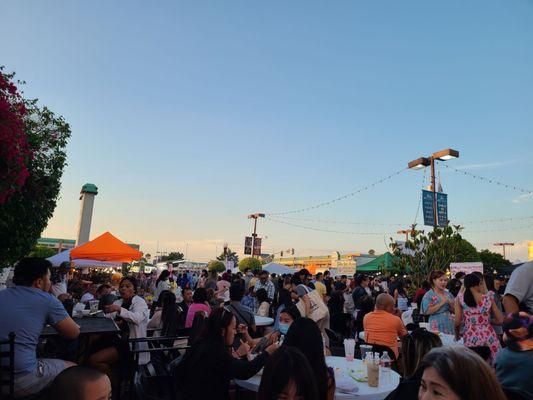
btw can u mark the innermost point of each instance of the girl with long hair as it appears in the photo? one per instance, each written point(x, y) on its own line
point(304, 334)
point(210, 364)
point(473, 309)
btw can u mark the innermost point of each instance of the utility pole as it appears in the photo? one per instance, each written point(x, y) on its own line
point(443, 155)
point(405, 232)
point(503, 246)
point(254, 235)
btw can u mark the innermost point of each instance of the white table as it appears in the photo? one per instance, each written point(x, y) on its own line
point(340, 366)
point(263, 321)
point(445, 338)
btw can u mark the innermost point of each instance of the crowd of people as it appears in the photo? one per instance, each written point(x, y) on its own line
point(311, 314)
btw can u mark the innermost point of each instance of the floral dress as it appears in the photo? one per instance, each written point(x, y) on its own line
point(441, 319)
point(478, 330)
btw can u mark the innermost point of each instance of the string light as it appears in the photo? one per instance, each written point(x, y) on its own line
point(343, 197)
point(481, 178)
point(322, 230)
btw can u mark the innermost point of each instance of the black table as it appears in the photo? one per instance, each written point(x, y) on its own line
point(88, 326)
point(96, 325)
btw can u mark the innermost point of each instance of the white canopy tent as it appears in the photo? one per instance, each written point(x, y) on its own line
point(64, 256)
point(274, 268)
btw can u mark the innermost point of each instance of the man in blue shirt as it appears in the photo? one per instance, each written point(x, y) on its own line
point(25, 309)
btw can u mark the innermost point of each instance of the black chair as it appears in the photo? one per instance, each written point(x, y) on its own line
point(513, 394)
point(7, 369)
point(482, 351)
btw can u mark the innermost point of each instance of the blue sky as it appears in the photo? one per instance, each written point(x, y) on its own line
point(190, 115)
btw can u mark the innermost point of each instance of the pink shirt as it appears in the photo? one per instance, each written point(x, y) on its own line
point(193, 309)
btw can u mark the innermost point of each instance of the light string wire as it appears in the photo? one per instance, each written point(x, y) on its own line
point(481, 178)
point(340, 198)
point(316, 229)
point(320, 229)
point(462, 223)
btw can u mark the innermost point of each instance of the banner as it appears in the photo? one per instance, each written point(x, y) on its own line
point(248, 245)
point(257, 247)
point(442, 208)
point(466, 267)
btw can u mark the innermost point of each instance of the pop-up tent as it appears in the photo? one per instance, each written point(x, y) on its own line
point(106, 247)
point(379, 264)
point(274, 268)
point(64, 256)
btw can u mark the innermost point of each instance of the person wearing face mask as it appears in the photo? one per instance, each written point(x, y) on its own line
point(438, 303)
point(25, 309)
point(210, 364)
point(286, 318)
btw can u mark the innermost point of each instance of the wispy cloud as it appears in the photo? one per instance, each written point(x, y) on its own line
point(487, 165)
point(523, 198)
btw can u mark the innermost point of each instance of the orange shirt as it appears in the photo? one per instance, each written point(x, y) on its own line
point(381, 327)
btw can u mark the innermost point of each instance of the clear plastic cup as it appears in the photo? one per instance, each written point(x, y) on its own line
point(93, 304)
point(349, 349)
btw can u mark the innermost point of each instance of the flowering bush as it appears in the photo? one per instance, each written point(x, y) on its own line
point(14, 149)
point(32, 160)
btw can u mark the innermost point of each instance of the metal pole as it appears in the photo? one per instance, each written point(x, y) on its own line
point(433, 188)
point(254, 236)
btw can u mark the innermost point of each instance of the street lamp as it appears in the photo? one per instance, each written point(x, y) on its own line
point(254, 235)
point(422, 162)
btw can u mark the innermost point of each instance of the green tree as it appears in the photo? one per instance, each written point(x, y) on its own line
point(492, 261)
point(250, 262)
point(216, 265)
point(173, 256)
point(25, 214)
point(42, 251)
point(426, 252)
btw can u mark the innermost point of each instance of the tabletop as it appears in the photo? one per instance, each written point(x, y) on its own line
point(445, 338)
point(341, 367)
point(88, 326)
point(263, 321)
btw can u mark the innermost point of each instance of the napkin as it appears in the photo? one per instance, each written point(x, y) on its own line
point(345, 385)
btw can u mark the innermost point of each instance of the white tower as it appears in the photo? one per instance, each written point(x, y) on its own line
point(87, 194)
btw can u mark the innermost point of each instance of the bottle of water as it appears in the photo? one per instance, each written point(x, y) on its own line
point(385, 367)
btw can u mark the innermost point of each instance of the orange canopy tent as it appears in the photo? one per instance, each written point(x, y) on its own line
point(106, 247)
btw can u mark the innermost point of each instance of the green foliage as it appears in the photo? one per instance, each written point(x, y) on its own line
point(42, 252)
point(493, 261)
point(173, 256)
point(216, 265)
point(431, 251)
point(25, 215)
point(249, 262)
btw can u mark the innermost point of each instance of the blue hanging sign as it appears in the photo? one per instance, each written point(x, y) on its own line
point(442, 208)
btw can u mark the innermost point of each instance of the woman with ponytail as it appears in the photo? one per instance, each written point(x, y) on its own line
point(473, 308)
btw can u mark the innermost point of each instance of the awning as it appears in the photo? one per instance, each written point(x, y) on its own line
point(64, 256)
point(379, 264)
point(106, 247)
point(274, 268)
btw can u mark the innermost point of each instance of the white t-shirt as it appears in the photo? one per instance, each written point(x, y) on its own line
point(60, 287)
point(86, 297)
point(521, 285)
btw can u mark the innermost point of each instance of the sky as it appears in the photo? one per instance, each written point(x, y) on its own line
point(188, 116)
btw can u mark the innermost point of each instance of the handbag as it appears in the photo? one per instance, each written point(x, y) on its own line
point(318, 309)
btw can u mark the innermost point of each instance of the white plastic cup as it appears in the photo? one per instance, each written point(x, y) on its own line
point(349, 349)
